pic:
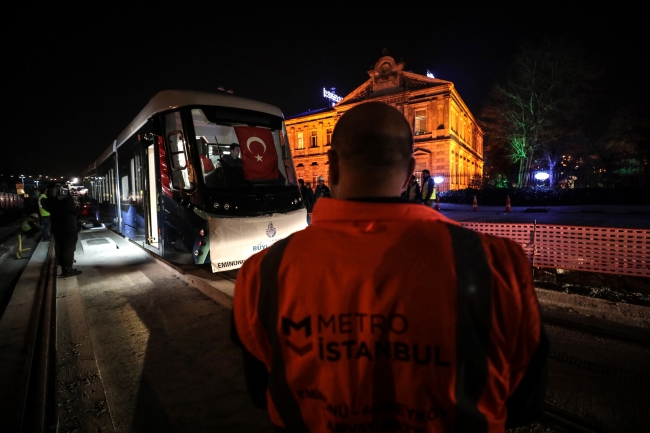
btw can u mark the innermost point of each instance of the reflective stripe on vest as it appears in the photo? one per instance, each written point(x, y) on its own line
point(473, 323)
point(267, 311)
point(25, 226)
point(42, 211)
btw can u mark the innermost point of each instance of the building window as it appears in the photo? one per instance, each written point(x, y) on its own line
point(420, 122)
point(314, 139)
point(301, 143)
point(329, 137)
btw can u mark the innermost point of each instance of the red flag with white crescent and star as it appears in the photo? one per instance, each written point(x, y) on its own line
point(259, 158)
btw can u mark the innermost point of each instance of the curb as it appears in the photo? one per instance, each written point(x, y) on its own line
point(221, 290)
point(630, 320)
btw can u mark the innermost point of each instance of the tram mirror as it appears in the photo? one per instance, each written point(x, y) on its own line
point(177, 150)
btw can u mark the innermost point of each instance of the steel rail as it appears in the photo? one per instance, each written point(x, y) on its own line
point(641, 340)
point(567, 422)
point(39, 402)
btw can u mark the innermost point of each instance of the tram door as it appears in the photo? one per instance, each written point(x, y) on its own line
point(151, 195)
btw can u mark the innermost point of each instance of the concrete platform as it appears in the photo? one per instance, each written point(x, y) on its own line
point(140, 349)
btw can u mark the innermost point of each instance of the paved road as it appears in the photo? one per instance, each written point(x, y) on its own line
point(595, 216)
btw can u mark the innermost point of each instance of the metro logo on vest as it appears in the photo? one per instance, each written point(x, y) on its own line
point(373, 346)
point(287, 324)
point(258, 154)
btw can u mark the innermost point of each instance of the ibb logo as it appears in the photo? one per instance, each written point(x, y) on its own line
point(270, 230)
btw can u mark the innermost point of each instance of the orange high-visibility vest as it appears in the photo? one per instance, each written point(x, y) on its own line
point(361, 330)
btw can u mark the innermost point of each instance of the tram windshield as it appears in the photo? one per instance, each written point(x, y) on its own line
point(242, 147)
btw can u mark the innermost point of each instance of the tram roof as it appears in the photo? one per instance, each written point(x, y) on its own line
point(172, 99)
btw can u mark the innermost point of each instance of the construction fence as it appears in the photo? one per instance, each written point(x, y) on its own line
point(588, 249)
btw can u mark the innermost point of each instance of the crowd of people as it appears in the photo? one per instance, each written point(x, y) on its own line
point(412, 191)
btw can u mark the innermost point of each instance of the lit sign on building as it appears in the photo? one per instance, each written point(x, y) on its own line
point(429, 74)
point(331, 96)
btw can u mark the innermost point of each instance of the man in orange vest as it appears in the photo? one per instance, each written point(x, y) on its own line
point(358, 340)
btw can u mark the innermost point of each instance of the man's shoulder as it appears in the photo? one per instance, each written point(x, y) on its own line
point(503, 249)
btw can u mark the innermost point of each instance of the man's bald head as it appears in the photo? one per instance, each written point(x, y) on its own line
point(372, 152)
point(373, 136)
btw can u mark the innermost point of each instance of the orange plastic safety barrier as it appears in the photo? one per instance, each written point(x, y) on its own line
point(590, 249)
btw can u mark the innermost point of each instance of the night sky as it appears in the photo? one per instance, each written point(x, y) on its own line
point(74, 78)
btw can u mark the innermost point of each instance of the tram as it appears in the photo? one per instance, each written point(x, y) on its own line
point(173, 183)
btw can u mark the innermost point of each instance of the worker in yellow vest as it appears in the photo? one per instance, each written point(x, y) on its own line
point(428, 189)
point(45, 217)
point(30, 225)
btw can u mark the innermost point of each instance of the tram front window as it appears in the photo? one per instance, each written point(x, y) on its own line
point(241, 148)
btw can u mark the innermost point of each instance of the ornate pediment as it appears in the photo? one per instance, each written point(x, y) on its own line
point(389, 78)
point(387, 75)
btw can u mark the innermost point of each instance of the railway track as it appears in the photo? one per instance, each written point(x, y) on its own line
point(640, 337)
point(598, 370)
point(27, 328)
point(566, 422)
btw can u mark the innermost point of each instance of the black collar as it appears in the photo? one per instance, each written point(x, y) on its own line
point(380, 199)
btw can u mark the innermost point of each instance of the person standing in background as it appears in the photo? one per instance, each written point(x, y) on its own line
point(65, 229)
point(428, 189)
point(322, 190)
point(412, 192)
point(307, 198)
point(46, 221)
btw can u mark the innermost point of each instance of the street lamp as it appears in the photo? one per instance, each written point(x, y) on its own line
point(541, 176)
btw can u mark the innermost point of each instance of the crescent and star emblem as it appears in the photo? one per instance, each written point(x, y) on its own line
point(259, 140)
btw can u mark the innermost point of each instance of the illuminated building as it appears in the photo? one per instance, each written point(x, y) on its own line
point(448, 141)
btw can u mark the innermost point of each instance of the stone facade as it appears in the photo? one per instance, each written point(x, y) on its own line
point(448, 141)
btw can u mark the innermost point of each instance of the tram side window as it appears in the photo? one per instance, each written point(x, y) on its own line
point(178, 152)
point(125, 188)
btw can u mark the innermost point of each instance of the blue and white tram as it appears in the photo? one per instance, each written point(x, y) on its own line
point(170, 183)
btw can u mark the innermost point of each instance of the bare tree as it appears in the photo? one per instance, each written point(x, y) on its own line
point(541, 104)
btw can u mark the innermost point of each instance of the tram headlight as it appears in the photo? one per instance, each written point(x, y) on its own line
point(226, 206)
point(216, 205)
point(197, 252)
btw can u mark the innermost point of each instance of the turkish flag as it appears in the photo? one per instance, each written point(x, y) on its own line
point(259, 158)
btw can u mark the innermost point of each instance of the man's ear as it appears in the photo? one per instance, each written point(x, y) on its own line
point(333, 167)
point(409, 173)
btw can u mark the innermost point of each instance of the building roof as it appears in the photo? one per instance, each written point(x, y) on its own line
point(309, 112)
